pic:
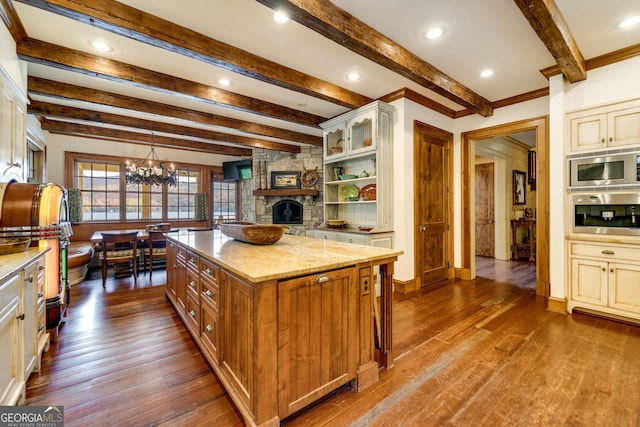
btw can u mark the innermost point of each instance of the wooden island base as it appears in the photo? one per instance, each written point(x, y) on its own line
point(282, 325)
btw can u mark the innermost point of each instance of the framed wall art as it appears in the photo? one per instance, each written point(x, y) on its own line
point(519, 182)
point(285, 179)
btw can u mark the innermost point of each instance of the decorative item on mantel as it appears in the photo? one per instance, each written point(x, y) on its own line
point(156, 173)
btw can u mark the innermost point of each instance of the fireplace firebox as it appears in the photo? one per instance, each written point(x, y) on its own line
point(287, 212)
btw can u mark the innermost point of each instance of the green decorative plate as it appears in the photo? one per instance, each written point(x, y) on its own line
point(350, 192)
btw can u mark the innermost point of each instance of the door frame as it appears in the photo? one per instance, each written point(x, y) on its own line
point(448, 136)
point(467, 142)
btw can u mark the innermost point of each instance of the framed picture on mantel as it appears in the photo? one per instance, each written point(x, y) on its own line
point(519, 179)
point(285, 179)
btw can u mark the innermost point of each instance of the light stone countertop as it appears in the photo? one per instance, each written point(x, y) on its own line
point(11, 263)
point(291, 256)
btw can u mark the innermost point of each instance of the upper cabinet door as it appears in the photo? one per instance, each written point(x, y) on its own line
point(362, 132)
point(588, 133)
point(335, 144)
point(624, 127)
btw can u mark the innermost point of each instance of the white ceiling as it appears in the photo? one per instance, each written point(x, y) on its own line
point(479, 34)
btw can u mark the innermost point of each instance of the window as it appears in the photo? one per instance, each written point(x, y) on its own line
point(99, 184)
point(225, 200)
point(106, 197)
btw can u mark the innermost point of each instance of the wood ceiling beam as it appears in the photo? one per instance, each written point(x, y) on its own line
point(547, 21)
point(120, 135)
point(12, 21)
point(138, 25)
point(44, 109)
point(343, 28)
point(63, 58)
point(59, 90)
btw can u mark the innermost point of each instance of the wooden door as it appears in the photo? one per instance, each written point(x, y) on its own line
point(432, 218)
point(485, 216)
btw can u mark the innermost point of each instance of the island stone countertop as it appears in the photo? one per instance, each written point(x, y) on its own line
point(289, 257)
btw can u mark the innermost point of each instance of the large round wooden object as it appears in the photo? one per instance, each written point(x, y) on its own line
point(18, 207)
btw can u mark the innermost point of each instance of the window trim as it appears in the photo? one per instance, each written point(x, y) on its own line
point(71, 158)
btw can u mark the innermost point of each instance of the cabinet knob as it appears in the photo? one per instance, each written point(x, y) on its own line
point(40, 294)
point(602, 140)
point(208, 293)
point(30, 279)
point(209, 328)
point(192, 313)
point(422, 229)
point(20, 316)
point(611, 270)
point(40, 267)
point(208, 271)
point(610, 139)
point(604, 269)
point(192, 284)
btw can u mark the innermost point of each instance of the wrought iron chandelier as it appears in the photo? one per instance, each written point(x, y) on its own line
point(150, 171)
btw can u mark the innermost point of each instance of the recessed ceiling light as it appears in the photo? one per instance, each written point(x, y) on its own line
point(629, 22)
point(280, 17)
point(353, 76)
point(224, 82)
point(100, 45)
point(486, 73)
point(434, 33)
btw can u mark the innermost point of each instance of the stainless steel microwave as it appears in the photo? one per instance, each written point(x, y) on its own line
point(606, 169)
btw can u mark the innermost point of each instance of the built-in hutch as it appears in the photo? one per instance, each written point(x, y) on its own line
point(13, 137)
point(604, 269)
point(23, 335)
point(358, 153)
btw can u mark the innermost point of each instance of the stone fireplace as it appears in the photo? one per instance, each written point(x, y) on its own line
point(287, 212)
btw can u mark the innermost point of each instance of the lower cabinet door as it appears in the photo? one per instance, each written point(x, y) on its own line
point(317, 336)
point(10, 384)
point(589, 281)
point(624, 287)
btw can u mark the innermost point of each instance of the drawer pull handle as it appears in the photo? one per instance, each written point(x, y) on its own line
point(20, 316)
point(209, 328)
point(192, 260)
point(208, 293)
point(30, 279)
point(40, 267)
point(40, 294)
point(192, 284)
point(192, 313)
point(40, 328)
point(322, 279)
point(607, 252)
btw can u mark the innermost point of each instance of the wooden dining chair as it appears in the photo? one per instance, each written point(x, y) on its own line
point(156, 250)
point(118, 249)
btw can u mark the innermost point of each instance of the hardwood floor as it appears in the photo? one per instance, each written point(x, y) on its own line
point(470, 353)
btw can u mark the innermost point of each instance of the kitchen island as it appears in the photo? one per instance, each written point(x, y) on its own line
point(284, 324)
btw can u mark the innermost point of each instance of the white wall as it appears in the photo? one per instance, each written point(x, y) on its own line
point(58, 144)
point(15, 69)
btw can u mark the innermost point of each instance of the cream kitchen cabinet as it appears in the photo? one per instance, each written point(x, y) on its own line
point(605, 127)
point(22, 322)
point(605, 277)
point(358, 169)
point(13, 137)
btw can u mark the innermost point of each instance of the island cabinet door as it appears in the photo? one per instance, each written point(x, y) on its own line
point(317, 336)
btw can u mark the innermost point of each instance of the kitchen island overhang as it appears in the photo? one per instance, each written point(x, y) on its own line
point(283, 324)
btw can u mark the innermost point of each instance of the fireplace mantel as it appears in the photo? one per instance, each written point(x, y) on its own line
point(286, 192)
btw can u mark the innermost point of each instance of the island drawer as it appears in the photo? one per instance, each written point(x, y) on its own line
point(209, 331)
point(193, 284)
point(209, 271)
point(211, 294)
point(193, 261)
point(192, 311)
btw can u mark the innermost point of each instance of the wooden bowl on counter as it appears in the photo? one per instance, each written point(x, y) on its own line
point(249, 232)
point(12, 245)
